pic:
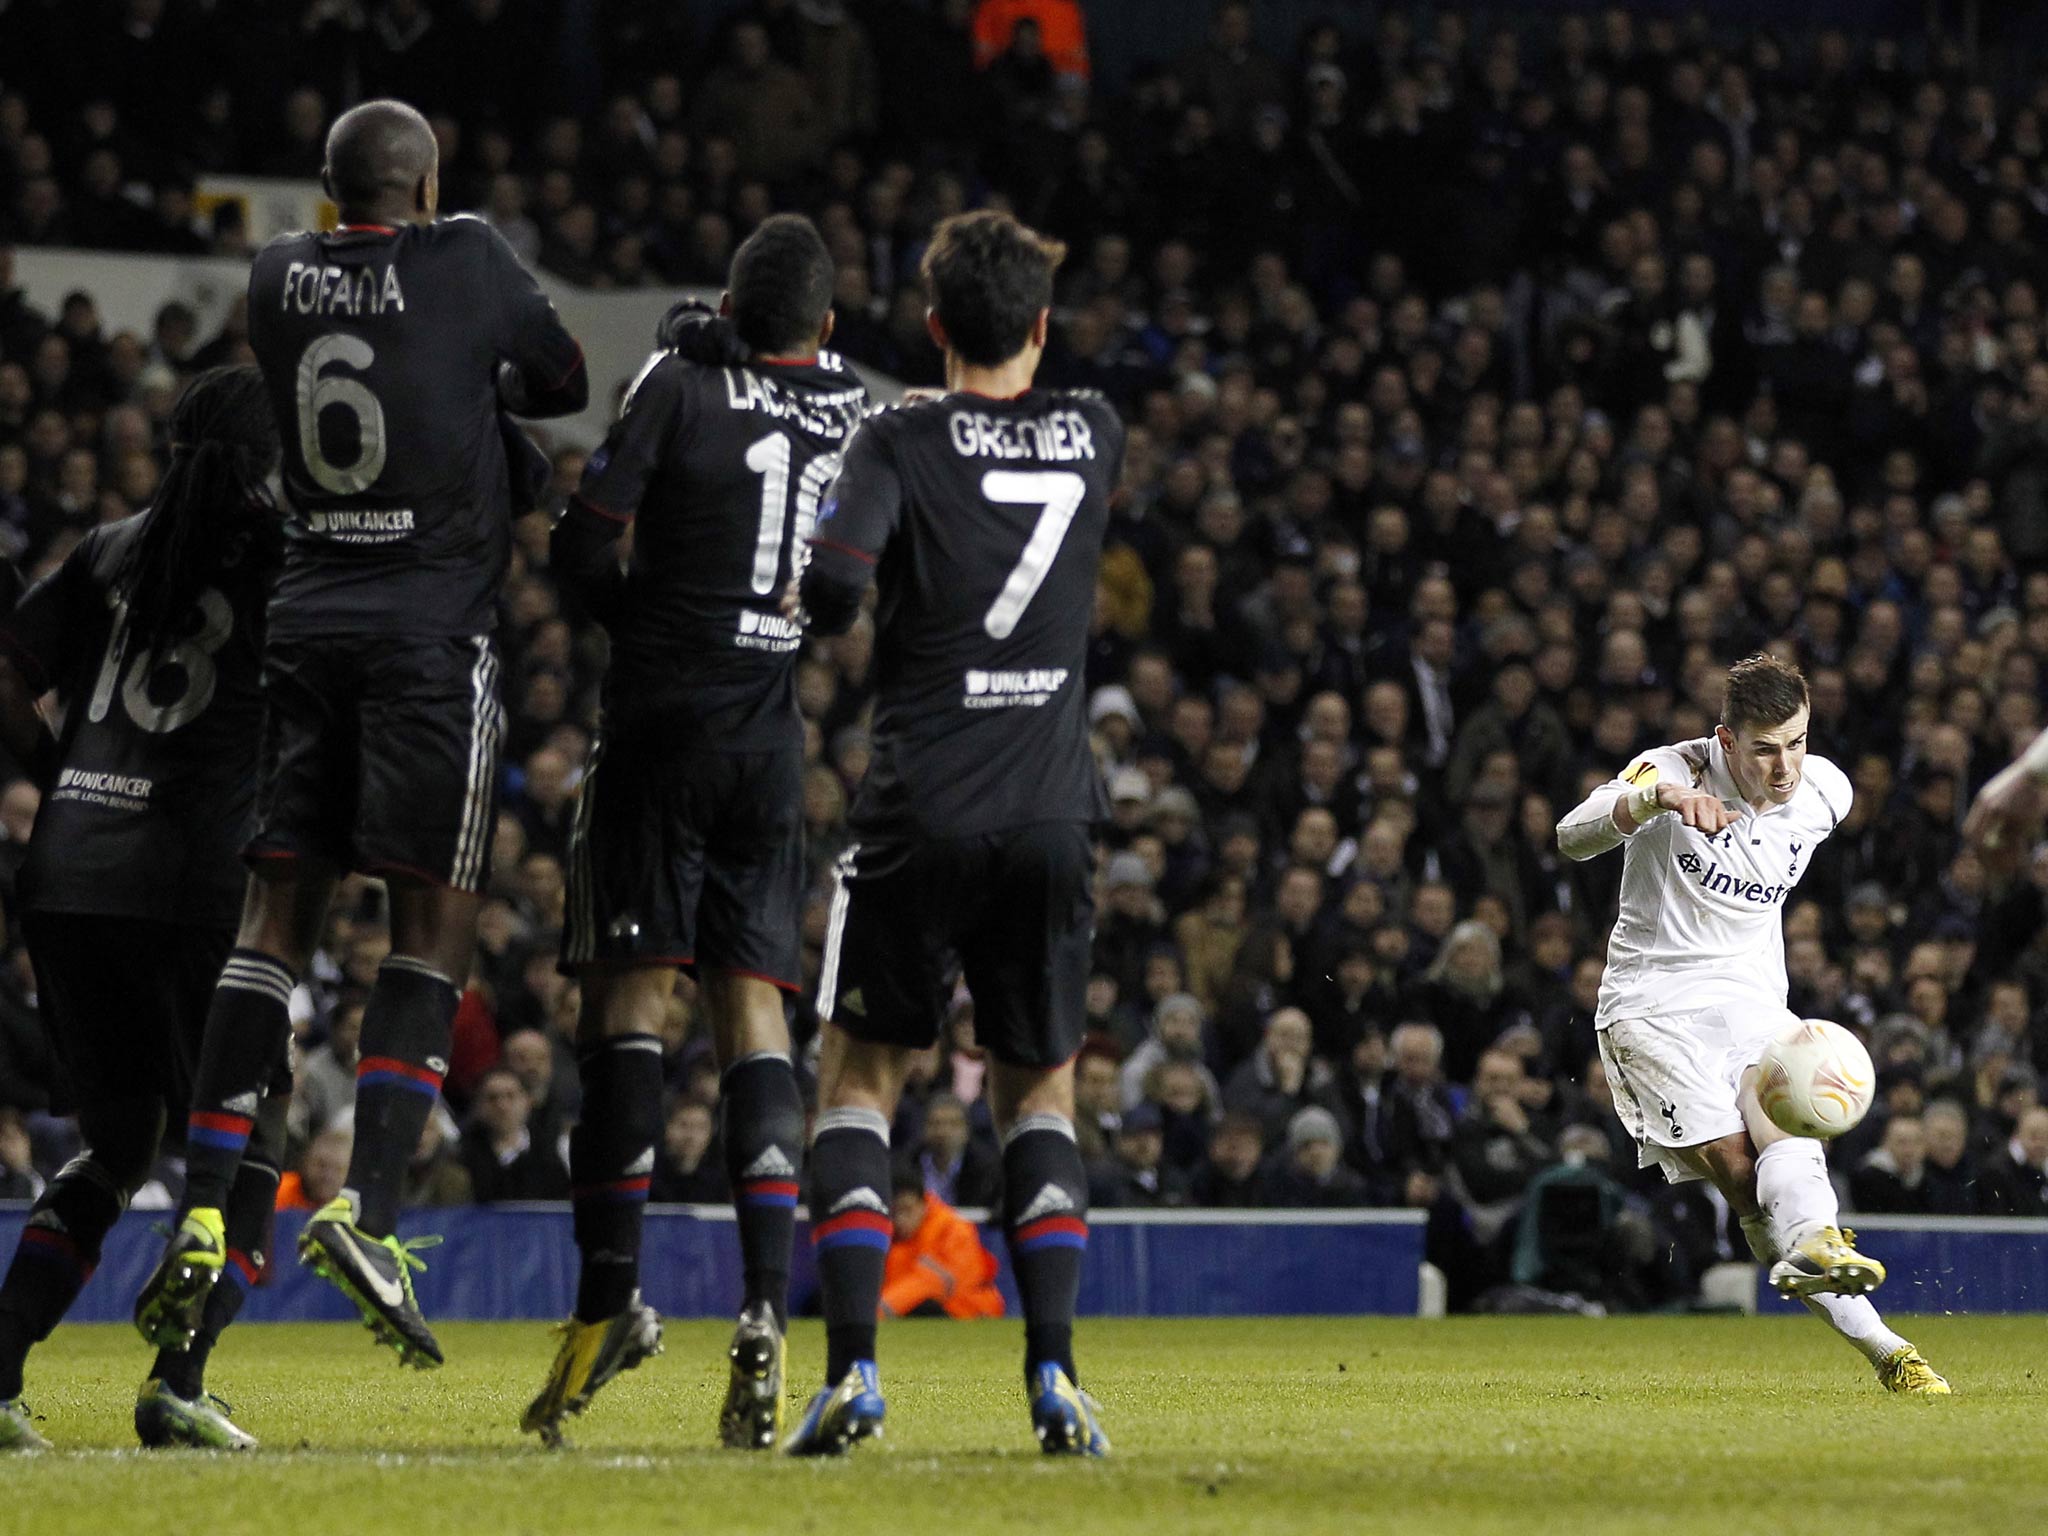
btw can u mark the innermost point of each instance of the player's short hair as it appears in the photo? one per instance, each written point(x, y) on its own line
point(1762, 691)
point(781, 285)
point(987, 276)
point(378, 150)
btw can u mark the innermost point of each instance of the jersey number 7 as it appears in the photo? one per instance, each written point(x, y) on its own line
point(1058, 494)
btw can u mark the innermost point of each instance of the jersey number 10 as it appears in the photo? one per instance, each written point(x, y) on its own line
point(769, 457)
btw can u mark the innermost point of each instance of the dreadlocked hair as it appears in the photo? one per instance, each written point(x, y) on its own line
point(212, 511)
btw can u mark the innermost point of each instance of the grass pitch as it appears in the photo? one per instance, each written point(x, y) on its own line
point(1648, 1427)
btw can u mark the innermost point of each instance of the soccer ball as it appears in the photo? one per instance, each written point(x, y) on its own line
point(1815, 1079)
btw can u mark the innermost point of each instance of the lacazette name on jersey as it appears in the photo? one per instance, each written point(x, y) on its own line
point(828, 415)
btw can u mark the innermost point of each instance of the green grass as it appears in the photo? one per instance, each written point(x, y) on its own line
point(1648, 1427)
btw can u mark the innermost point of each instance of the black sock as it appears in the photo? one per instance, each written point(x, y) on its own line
point(251, 1209)
point(1045, 1201)
point(763, 1116)
point(56, 1256)
point(406, 1030)
point(850, 1230)
point(246, 1029)
point(611, 1158)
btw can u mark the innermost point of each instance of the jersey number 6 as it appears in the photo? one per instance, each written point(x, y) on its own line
point(316, 394)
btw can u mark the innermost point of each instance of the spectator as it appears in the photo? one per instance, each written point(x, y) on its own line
point(1281, 1077)
point(765, 108)
point(503, 1158)
point(958, 1169)
point(1314, 1175)
point(1177, 1035)
point(1229, 1177)
point(322, 1170)
point(1465, 995)
point(1949, 1177)
point(1181, 1091)
point(531, 1056)
point(1062, 31)
point(2015, 1182)
point(1136, 1173)
point(1098, 1102)
point(937, 1264)
point(1892, 1179)
point(435, 1176)
point(1496, 1151)
point(1417, 1119)
point(324, 1088)
point(685, 1171)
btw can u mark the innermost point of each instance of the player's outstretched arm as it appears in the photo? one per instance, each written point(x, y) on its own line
point(2007, 812)
point(1619, 808)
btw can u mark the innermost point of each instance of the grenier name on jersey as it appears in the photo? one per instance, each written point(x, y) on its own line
point(1057, 437)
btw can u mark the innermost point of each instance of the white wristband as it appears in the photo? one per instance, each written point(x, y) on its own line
point(1642, 803)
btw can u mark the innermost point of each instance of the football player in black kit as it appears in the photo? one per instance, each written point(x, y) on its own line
point(151, 633)
point(688, 844)
point(389, 347)
point(980, 518)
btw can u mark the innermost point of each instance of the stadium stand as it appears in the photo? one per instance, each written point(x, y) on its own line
point(1490, 389)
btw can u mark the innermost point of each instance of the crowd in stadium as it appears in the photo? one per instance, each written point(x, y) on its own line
point(1489, 391)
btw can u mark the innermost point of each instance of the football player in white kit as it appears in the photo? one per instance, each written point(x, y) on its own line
point(1716, 834)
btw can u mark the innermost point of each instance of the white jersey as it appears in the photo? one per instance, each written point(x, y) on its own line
point(1701, 922)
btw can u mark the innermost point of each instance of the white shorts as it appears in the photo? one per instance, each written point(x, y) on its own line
point(1675, 1078)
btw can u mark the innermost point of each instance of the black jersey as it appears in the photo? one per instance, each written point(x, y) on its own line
point(982, 522)
point(380, 346)
point(157, 764)
point(723, 467)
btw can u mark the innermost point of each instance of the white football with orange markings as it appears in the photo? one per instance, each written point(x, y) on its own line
point(1815, 1079)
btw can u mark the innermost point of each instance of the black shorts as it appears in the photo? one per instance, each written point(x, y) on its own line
point(125, 1001)
point(380, 753)
point(1015, 909)
point(687, 857)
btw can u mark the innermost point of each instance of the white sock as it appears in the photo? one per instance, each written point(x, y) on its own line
point(1856, 1320)
point(1793, 1189)
point(1792, 1186)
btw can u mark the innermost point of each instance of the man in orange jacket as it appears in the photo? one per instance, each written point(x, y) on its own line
point(937, 1265)
point(1062, 32)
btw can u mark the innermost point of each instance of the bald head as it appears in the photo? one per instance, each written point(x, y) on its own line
point(382, 160)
